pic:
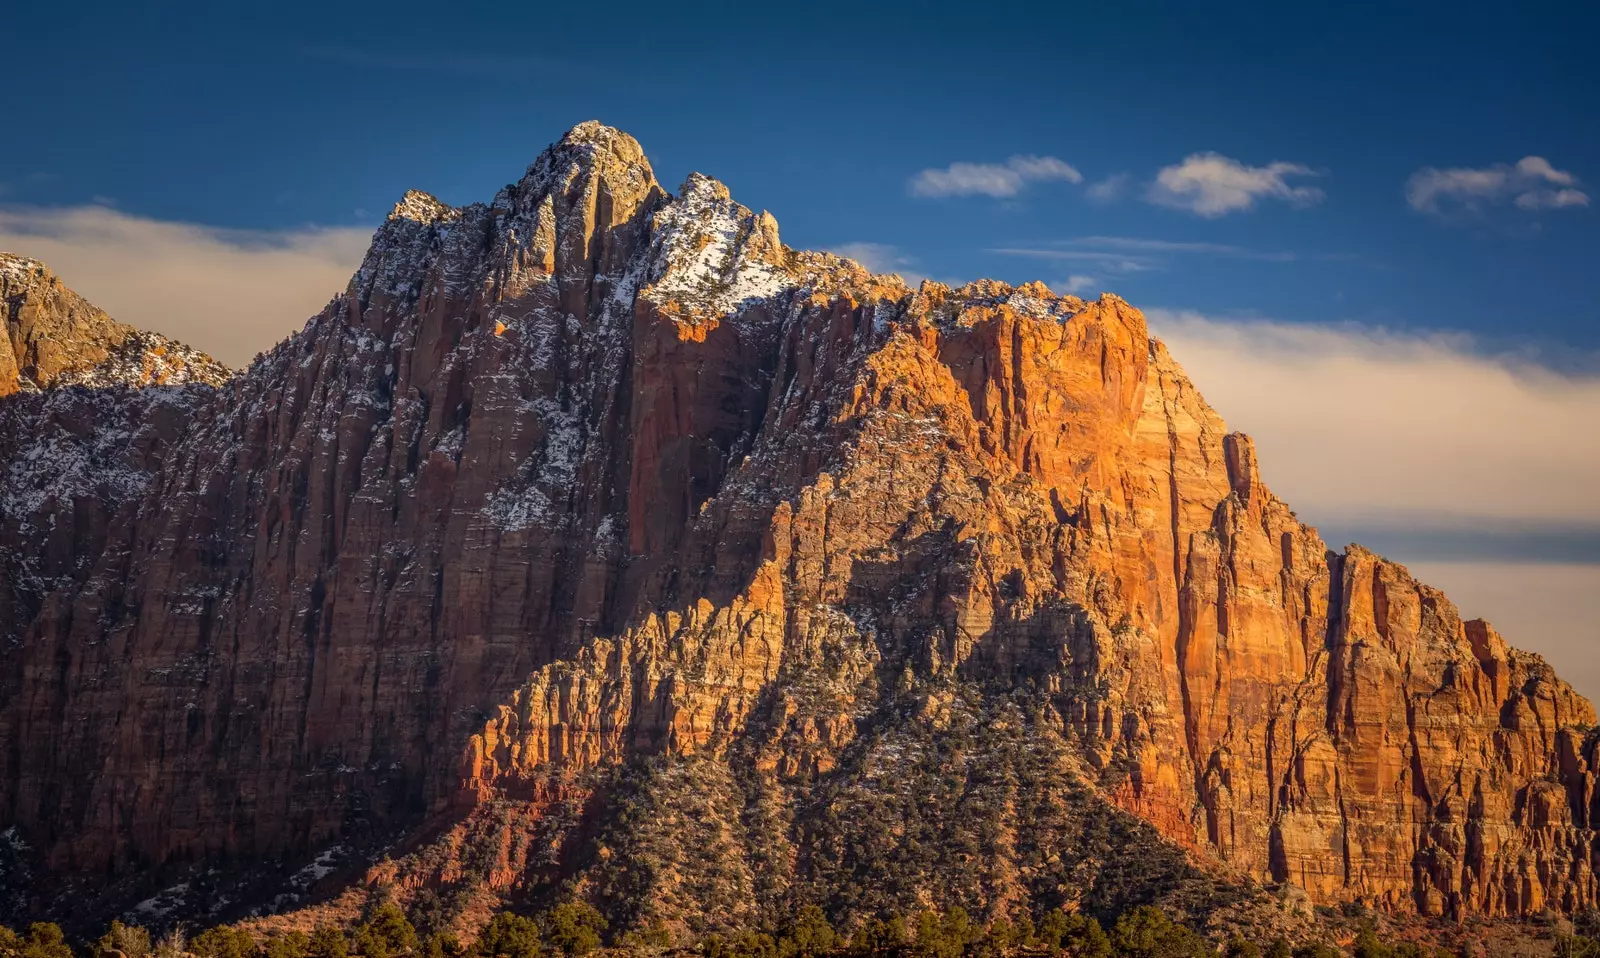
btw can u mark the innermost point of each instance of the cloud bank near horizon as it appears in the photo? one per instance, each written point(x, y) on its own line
point(1349, 416)
point(231, 293)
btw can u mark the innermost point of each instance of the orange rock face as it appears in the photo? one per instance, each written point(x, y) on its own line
point(597, 477)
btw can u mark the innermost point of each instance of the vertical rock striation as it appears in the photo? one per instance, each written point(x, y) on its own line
point(599, 494)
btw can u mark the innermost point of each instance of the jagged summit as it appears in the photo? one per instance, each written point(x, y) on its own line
point(54, 337)
point(593, 543)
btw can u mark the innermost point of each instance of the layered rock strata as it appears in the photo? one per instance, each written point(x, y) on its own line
point(597, 485)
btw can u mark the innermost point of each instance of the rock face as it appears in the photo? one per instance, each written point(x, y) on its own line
point(53, 337)
point(594, 540)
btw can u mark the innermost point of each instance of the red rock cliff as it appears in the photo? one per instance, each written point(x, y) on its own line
point(597, 475)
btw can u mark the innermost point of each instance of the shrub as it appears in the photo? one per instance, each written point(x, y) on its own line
point(509, 936)
point(224, 942)
point(808, 935)
point(386, 933)
point(132, 940)
point(295, 944)
point(574, 928)
point(327, 942)
point(1147, 932)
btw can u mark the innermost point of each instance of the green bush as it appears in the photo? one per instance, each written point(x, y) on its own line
point(386, 933)
point(509, 936)
point(809, 935)
point(223, 942)
point(295, 944)
point(1147, 932)
point(327, 942)
point(43, 939)
point(132, 940)
point(573, 928)
point(880, 937)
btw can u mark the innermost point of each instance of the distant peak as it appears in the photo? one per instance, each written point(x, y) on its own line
point(589, 149)
point(16, 267)
point(699, 184)
point(421, 207)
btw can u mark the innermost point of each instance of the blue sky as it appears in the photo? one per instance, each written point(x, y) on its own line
point(1369, 230)
point(292, 114)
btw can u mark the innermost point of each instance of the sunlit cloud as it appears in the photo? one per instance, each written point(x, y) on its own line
point(882, 258)
point(1356, 423)
point(231, 293)
point(1212, 185)
point(1476, 471)
point(1530, 184)
point(992, 179)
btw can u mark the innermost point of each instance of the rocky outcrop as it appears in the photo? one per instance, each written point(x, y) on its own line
point(53, 337)
point(596, 508)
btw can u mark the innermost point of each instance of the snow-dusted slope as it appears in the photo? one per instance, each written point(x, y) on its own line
point(53, 337)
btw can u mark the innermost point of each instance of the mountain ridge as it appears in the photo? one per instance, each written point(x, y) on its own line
point(596, 480)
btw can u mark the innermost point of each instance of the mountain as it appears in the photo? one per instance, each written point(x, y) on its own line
point(594, 543)
point(53, 337)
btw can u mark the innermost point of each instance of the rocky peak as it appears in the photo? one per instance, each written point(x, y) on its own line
point(54, 337)
point(594, 540)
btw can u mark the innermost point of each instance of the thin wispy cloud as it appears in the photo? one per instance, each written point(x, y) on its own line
point(1529, 184)
point(231, 293)
point(1132, 254)
point(1117, 262)
point(882, 258)
point(1212, 185)
point(999, 180)
point(1109, 189)
point(1438, 428)
point(1182, 246)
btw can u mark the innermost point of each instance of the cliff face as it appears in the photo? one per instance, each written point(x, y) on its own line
point(594, 539)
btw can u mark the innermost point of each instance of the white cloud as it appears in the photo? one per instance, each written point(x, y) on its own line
point(1349, 418)
point(882, 258)
point(1531, 184)
point(1109, 189)
point(1076, 283)
point(1417, 440)
point(1113, 261)
point(992, 179)
point(231, 293)
point(1211, 185)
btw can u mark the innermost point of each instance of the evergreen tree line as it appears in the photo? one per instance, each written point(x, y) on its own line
point(576, 929)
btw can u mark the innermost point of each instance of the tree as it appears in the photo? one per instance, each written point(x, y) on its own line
point(1239, 947)
point(295, 944)
point(1318, 949)
point(1147, 932)
point(574, 928)
point(42, 940)
point(442, 944)
point(386, 933)
point(327, 942)
point(132, 940)
point(224, 942)
point(1367, 945)
point(945, 936)
point(808, 935)
point(173, 944)
point(509, 936)
point(1280, 949)
point(880, 937)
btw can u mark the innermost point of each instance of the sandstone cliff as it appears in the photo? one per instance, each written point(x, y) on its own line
point(593, 540)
